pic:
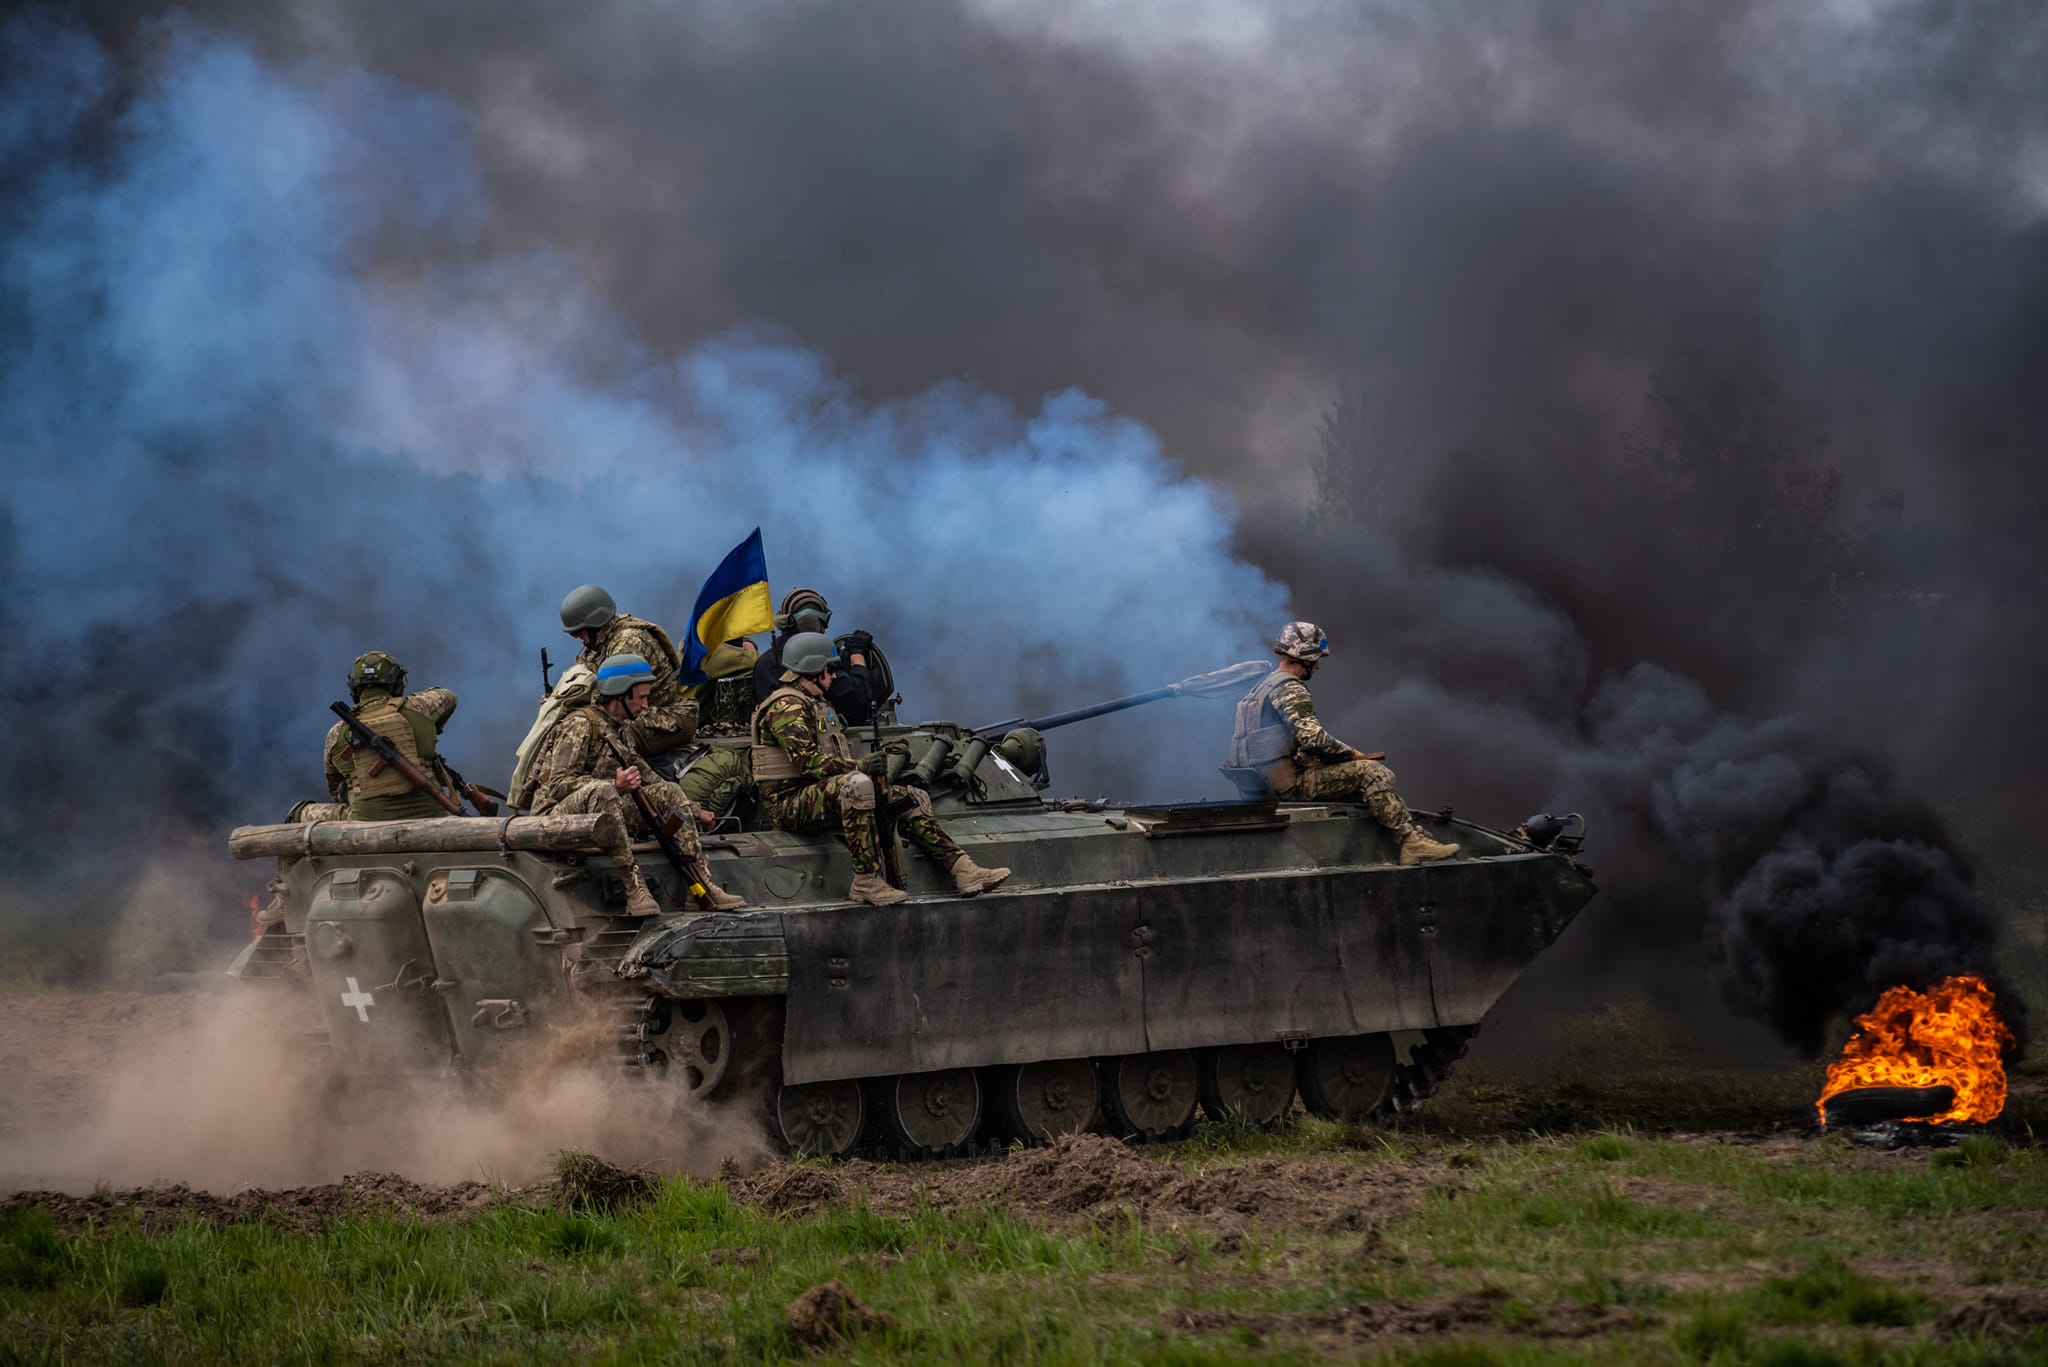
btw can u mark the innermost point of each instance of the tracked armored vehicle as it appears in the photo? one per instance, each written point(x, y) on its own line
point(1142, 964)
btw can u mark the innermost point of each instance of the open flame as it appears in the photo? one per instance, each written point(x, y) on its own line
point(1948, 1036)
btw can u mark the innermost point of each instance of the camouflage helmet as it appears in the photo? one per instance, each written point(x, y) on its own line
point(799, 601)
point(587, 609)
point(375, 670)
point(617, 675)
point(1303, 641)
point(1024, 748)
point(808, 653)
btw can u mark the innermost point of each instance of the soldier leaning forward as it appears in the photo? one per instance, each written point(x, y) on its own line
point(373, 790)
point(590, 615)
point(591, 763)
point(1278, 735)
point(810, 783)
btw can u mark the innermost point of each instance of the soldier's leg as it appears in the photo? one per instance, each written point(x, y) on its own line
point(1370, 782)
point(596, 797)
point(668, 797)
point(843, 803)
point(852, 797)
point(914, 815)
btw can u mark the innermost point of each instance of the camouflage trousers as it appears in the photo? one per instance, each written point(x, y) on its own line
point(846, 803)
point(597, 795)
point(1353, 780)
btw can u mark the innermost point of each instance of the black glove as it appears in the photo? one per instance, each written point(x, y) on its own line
point(859, 643)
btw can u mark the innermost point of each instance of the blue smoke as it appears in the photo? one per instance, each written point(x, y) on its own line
point(267, 403)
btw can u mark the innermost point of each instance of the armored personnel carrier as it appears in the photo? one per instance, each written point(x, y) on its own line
point(1141, 965)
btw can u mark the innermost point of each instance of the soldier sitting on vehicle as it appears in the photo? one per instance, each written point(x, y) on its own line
point(372, 789)
point(590, 615)
point(810, 783)
point(1279, 736)
point(853, 692)
point(591, 762)
point(726, 704)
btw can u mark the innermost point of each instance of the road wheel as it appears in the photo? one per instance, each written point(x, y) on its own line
point(1253, 1083)
point(1042, 1101)
point(1153, 1095)
point(821, 1119)
point(1346, 1077)
point(931, 1112)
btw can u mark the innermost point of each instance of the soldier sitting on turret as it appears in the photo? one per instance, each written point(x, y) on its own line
point(590, 615)
point(1278, 735)
point(853, 691)
point(591, 763)
point(810, 782)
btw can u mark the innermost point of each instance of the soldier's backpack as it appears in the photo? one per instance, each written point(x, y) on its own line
point(574, 689)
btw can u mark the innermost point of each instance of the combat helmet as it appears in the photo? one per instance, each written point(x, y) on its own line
point(587, 609)
point(617, 675)
point(375, 670)
point(1302, 641)
point(803, 602)
point(808, 653)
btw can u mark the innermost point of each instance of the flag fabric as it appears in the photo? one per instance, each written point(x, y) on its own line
point(734, 602)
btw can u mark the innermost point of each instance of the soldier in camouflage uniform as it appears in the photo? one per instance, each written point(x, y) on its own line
point(725, 705)
point(591, 763)
point(590, 615)
point(810, 783)
point(1278, 735)
point(373, 790)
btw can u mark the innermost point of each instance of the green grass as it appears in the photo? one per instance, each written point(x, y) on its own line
point(1683, 1253)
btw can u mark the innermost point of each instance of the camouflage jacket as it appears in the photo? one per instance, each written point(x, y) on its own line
point(579, 749)
point(391, 798)
point(625, 635)
point(791, 725)
point(1311, 741)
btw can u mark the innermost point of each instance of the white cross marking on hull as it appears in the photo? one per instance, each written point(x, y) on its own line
point(359, 999)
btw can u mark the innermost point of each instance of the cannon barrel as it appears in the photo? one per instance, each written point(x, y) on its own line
point(1212, 684)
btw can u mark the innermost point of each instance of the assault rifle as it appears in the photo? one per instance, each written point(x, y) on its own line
point(387, 753)
point(664, 825)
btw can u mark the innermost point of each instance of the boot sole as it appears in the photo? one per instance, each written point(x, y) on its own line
point(983, 885)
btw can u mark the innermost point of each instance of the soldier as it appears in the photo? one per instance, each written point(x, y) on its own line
point(810, 783)
point(726, 704)
point(591, 763)
point(853, 692)
point(373, 790)
point(1278, 734)
point(590, 615)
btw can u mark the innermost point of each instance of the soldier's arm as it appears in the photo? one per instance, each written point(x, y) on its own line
point(337, 782)
point(437, 704)
point(789, 724)
point(562, 764)
point(1299, 710)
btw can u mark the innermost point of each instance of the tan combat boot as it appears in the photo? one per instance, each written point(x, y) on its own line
point(639, 899)
point(970, 877)
point(714, 898)
point(1418, 848)
point(875, 890)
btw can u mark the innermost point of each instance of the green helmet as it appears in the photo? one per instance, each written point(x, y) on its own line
point(617, 675)
point(376, 670)
point(587, 609)
point(808, 652)
point(1024, 748)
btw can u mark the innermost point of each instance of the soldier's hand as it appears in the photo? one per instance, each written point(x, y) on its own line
point(706, 818)
point(876, 765)
point(627, 780)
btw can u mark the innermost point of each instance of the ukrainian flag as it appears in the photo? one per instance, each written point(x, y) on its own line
point(734, 602)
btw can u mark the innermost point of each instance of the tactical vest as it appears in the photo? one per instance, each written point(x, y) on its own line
point(771, 762)
point(411, 733)
point(1262, 735)
point(666, 668)
point(727, 705)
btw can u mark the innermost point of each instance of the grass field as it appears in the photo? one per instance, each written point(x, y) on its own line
point(1499, 1245)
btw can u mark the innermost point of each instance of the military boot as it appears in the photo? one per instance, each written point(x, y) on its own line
point(713, 898)
point(970, 877)
point(1418, 848)
point(639, 899)
point(273, 913)
point(875, 890)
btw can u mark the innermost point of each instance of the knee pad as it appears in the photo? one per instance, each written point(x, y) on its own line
point(919, 803)
point(856, 792)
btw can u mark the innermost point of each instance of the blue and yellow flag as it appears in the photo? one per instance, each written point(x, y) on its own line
point(734, 602)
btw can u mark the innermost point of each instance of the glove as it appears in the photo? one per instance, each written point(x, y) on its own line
point(859, 643)
point(875, 765)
